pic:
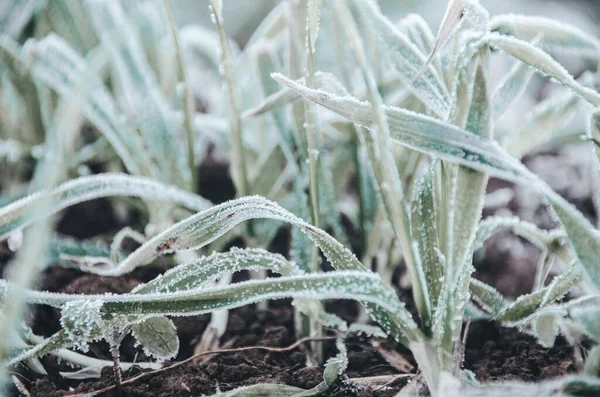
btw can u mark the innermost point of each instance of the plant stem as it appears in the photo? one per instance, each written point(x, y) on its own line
point(316, 329)
point(238, 159)
point(188, 100)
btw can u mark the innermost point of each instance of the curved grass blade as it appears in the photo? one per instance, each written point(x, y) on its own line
point(425, 134)
point(557, 35)
point(206, 226)
point(208, 269)
point(96, 310)
point(543, 62)
point(23, 212)
point(491, 225)
point(526, 305)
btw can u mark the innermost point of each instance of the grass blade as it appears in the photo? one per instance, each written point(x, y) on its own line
point(557, 35)
point(543, 62)
point(408, 59)
point(23, 212)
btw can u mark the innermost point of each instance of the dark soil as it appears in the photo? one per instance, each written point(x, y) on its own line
point(492, 352)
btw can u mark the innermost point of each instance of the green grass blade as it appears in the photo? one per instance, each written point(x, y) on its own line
point(206, 226)
point(208, 269)
point(96, 310)
point(543, 62)
point(408, 59)
point(424, 233)
point(384, 167)
point(23, 212)
point(557, 35)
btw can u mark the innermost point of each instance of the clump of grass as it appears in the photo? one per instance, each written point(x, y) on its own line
point(415, 124)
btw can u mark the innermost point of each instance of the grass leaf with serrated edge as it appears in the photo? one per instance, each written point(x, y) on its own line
point(438, 138)
point(22, 212)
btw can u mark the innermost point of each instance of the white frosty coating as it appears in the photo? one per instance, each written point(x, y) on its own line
point(20, 213)
point(543, 122)
point(556, 34)
point(364, 286)
point(208, 269)
point(201, 229)
point(408, 59)
point(491, 225)
point(542, 61)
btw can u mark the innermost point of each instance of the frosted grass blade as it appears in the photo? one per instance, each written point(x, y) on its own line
point(364, 286)
point(384, 167)
point(543, 62)
point(408, 59)
point(227, 69)
point(23, 212)
point(491, 225)
point(557, 35)
point(206, 226)
point(514, 313)
point(424, 233)
point(543, 122)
